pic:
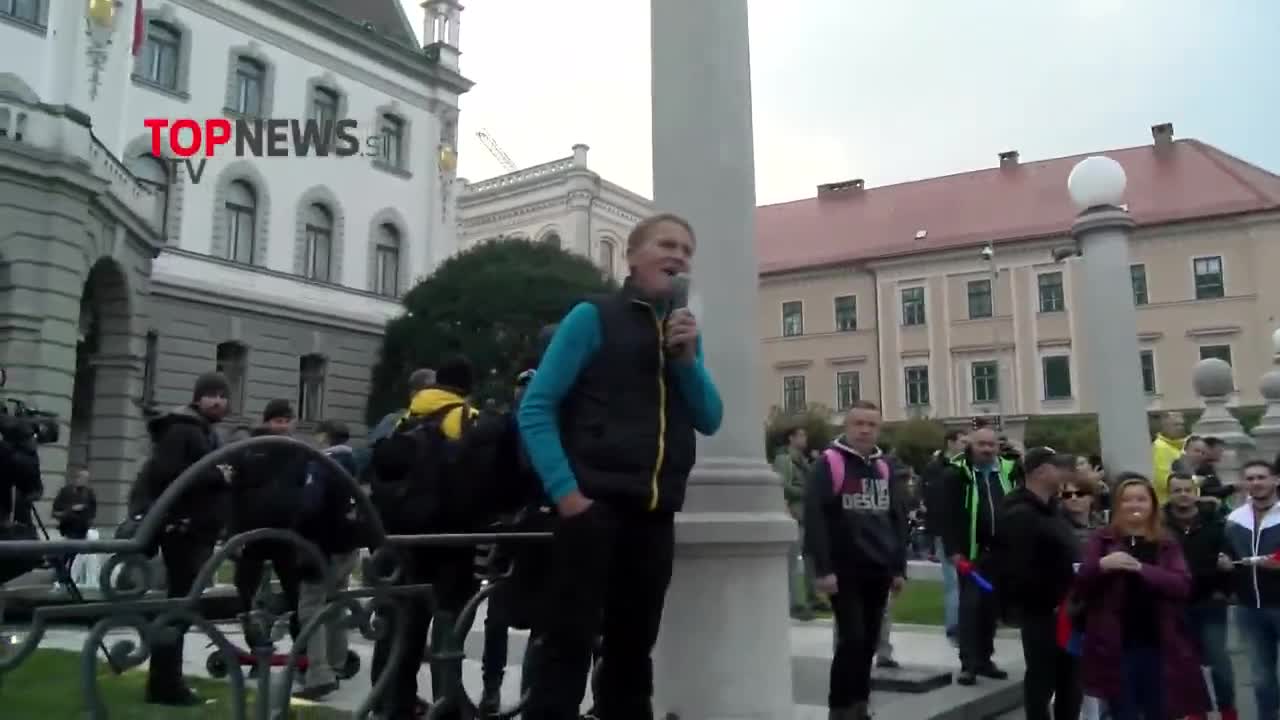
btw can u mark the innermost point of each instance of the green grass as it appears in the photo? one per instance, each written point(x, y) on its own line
point(919, 604)
point(47, 687)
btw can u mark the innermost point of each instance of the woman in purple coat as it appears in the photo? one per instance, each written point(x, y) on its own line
point(1134, 584)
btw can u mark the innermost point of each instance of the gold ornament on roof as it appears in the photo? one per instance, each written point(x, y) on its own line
point(448, 158)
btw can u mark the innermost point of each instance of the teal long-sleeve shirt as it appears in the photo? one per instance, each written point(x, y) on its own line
point(574, 344)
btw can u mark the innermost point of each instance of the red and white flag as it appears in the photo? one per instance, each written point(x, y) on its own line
point(139, 29)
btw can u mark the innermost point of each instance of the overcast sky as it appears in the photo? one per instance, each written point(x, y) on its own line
point(885, 91)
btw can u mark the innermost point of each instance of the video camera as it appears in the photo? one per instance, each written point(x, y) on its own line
point(20, 422)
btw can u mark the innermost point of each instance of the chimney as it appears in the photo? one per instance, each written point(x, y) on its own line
point(1162, 134)
point(1009, 158)
point(580, 155)
point(848, 186)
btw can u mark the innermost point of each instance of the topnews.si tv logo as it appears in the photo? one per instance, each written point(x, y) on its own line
point(253, 137)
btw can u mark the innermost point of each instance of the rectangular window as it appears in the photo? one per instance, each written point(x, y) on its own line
point(160, 55)
point(917, 385)
point(1138, 277)
point(388, 269)
point(913, 306)
point(249, 76)
point(848, 389)
point(1209, 282)
point(792, 318)
point(1221, 352)
point(1057, 377)
point(232, 360)
point(846, 307)
point(319, 251)
point(979, 299)
point(240, 232)
point(311, 371)
point(793, 400)
point(986, 382)
point(1148, 360)
point(392, 140)
point(25, 10)
point(1052, 296)
point(324, 107)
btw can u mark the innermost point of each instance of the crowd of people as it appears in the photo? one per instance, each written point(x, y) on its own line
point(1121, 587)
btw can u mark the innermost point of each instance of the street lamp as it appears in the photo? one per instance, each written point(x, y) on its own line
point(1110, 320)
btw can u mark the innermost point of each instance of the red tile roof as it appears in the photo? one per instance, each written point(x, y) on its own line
point(1185, 180)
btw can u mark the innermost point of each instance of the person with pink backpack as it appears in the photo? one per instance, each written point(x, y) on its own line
point(855, 523)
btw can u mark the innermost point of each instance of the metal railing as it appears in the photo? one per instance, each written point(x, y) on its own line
point(375, 610)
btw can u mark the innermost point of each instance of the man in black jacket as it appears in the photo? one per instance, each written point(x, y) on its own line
point(973, 488)
point(266, 492)
point(1036, 549)
point(855, 524)
point(1200, 527)
point(183, 436)
point(935, 507)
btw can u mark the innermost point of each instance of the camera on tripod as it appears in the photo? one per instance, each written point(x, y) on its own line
point(20, 422)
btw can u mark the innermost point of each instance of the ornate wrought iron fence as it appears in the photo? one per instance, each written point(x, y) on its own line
point(376, 609)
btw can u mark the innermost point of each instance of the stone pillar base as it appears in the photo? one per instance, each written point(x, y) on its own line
point(725, 646)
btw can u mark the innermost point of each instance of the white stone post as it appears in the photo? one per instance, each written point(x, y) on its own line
point(724, 649)
point(1102, 231)
point(1213, 382)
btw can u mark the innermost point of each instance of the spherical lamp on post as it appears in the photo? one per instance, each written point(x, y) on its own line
point(1110, 320)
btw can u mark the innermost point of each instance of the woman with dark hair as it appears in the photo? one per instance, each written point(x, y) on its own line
point(1134, 584)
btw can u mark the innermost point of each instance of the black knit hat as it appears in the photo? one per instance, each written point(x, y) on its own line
point(278, 408)
point(210, 384)
point(455, 372)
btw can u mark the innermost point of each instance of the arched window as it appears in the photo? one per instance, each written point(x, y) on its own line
point(608, 252)
point(319, 232)
point(387, 261)
point(149, 169)
point(242, 216)
point(552, 238)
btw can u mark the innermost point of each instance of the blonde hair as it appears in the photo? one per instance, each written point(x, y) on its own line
point(1154, 529)
point(640, 232)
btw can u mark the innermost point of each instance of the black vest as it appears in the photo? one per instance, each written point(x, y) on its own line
point(625, 426)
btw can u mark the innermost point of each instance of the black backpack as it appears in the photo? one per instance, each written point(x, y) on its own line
point(424, 482)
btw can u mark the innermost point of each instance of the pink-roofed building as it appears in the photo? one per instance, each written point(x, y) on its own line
point(884, 293)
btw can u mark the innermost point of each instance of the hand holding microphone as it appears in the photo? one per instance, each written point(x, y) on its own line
point(682, 328)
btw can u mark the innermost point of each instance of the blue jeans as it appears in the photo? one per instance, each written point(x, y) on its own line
point(1260, 628)
point(950, 589)
point(1144, 692)
point(1209, 626)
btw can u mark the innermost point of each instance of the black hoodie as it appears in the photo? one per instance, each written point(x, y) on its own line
point(1202, 540)
point(266, 487)
point(863, 528)
point(183, 436)
point(1037, 548)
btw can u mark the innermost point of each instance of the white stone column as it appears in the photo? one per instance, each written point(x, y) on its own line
point(1111, 339)
point(724, 650)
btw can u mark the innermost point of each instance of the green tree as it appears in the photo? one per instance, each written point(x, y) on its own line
point(815, 419)
point(914, 441)
point(488, 304)
point(1074, 434)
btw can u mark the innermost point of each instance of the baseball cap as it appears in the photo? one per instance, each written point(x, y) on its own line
point(1039, 456)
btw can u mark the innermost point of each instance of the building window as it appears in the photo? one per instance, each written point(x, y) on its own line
point(311, 369)
point(1052, 296)
point(241, 209)
point(24, 10)
point(913, 306)
point(986, 382)
point(1057, 377)
point(1148, 360)
point(848, 389)
point(160, 55)
point(1138, 278)
point(607, 251)
point(792, 318)
point(149, 169)
point(979, 299)
point(846, 307)
point(392, 134)
point(1221, 352)
point(150, 360)
point(232, 360)
point(552, 238)
point(249, 85)
point(324, 107)
point(917, 385)
point(319, 232)
point(1208, 272)
point(793, 394)
point(387, 261)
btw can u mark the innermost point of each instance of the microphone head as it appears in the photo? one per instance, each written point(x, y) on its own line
point(680, 291)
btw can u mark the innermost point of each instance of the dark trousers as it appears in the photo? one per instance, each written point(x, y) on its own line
point(493, 660)
point(251, 569)
point(183, 555)
point(1144, 688)
point(1208, 625)
point(977, 632)
point(609, 577)
point(859, 611)
point(1053, 675)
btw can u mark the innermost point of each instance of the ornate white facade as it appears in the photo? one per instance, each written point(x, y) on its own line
point(562, 201)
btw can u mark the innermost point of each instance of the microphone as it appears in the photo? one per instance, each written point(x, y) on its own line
point(680, 291)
